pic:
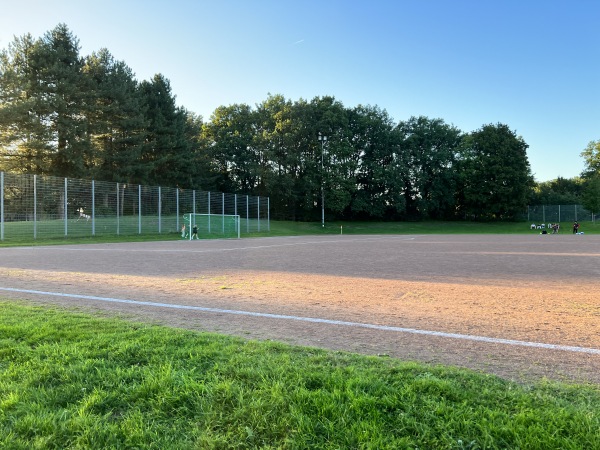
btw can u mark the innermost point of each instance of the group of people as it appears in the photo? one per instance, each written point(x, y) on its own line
point(184, 234)
point(551, 226)
point(555, 227)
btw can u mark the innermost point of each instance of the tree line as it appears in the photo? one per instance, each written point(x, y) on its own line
point(67, 115)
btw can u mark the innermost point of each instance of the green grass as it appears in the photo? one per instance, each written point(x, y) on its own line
point(25, 241)
point(283, 228)
point(71, 380)
point(289, 228)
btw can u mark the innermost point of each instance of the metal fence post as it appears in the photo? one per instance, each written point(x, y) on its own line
point(258, 212)
point(223, 210)
point(118, 207)
point(235, 213)
point(65, 212)
point(35, 207)
point(177, 208)
point(93, 208)
point(139, 209)
point(208, 206)
point(543, 213)
point(1, 205)
point(247, 215)
point(159, 211)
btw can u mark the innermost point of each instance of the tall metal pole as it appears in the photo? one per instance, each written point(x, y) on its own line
point(322, 139)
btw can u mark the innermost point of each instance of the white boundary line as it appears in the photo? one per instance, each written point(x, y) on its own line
point(568, 348)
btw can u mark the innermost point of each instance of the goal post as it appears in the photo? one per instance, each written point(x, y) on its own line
point(212, 225)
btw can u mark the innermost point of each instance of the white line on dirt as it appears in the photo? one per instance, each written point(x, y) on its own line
point(441, 334)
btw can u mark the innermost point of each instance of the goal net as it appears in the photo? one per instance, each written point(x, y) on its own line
point(211, 225)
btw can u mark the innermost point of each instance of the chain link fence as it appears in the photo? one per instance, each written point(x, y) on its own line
point(34, 206)
point(548, 214)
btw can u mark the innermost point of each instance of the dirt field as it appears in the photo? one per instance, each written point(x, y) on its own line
point(528, 289)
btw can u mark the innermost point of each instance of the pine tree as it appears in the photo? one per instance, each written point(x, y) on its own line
point(25, 141)
point(166, 154)
point(64, 98)
point(117, 124)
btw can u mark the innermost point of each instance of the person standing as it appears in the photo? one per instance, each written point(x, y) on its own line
point(575, 227)
point(195, 232)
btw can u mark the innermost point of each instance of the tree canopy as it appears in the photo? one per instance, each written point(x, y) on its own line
point(495, 175)
point(591, 194)
point(591, 158)
point(64, 114)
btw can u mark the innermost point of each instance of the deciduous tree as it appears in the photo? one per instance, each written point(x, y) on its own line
point(495, 175)
point(591, 158)
point(430, 147)
point(382, 167)
point(591, 194)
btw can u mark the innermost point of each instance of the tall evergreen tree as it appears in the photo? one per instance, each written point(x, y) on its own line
point(63, 94)
point(43, 103)
point(166, 154)
point(25, 139)
point(117, 123)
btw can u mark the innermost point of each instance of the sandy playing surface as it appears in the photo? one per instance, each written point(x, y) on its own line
point(471, 287)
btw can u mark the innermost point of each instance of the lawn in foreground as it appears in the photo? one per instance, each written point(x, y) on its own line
point(72, 380)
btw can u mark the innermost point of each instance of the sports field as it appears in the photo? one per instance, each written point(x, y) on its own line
point(520, 306)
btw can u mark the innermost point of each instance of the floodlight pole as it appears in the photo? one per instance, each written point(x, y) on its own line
point(322, 140)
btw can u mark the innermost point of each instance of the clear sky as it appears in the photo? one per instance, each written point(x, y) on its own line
point(533, 65)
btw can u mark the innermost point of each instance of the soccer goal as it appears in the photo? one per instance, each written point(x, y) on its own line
point(211, 225)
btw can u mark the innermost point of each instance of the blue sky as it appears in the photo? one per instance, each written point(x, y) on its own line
point(532, 65)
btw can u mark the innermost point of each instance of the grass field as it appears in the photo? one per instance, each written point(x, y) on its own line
point(288, 228)
point(427, 227)
point(70, 380)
